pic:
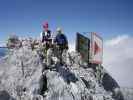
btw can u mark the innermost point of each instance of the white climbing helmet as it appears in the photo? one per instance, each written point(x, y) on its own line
point(59, 30)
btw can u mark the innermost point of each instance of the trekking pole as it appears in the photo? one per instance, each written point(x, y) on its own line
point(71, 60)
point(22, 68)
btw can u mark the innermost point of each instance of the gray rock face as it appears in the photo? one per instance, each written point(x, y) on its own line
point(20, 73)
point(23, 77)
point(128, 93)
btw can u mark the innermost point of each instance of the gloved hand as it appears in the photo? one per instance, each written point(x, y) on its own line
point(67, 46)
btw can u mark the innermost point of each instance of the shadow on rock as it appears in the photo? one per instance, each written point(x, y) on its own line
point(110, 84)
point(66, 74)
point(4, 95)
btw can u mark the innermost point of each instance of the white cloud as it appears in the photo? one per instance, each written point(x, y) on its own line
point(117, 40)
point(118, 59)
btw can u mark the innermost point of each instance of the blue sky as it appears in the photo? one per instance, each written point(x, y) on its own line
point(106, 17)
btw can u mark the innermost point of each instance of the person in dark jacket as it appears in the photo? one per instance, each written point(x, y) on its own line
point(61, 43)
point(61, 40)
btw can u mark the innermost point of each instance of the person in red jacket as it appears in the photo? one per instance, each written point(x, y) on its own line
point(46, 34)
point(46, 37)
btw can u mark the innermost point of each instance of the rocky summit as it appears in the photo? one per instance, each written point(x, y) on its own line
point(25, 76)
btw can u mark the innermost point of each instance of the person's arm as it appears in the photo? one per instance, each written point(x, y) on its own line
point(41, 36)
point(66, 39)
point(66, 42)
point(49, 34)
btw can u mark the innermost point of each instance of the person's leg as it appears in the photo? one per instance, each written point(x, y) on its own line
point(43, 85)
point(45, 49)
point(61, 52)
point(65, 56)
point(42, 51)
point(49, 56)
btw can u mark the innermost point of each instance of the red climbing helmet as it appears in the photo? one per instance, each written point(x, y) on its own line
point(45, 24)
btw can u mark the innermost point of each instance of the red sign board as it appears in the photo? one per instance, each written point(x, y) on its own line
point(96, 50)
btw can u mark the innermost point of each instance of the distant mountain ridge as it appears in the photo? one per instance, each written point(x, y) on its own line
point(2, 51)
point(2, 44)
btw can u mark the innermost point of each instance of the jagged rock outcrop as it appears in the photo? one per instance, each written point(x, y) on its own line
point(13, 41)
point(21, 71)
point(23, 77)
